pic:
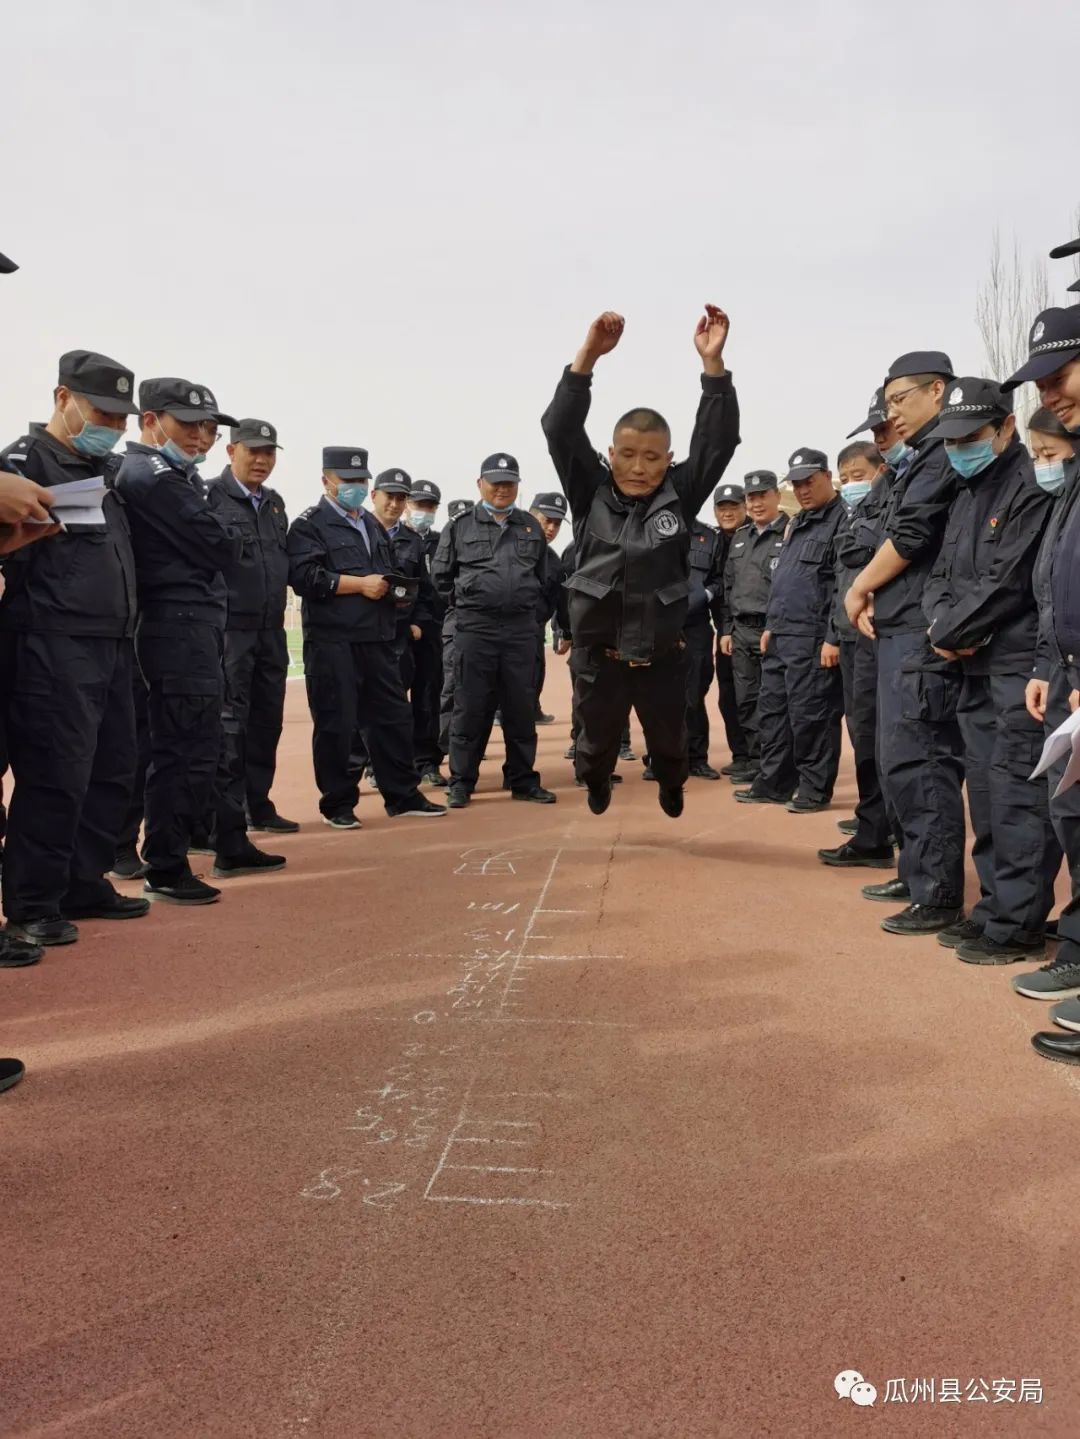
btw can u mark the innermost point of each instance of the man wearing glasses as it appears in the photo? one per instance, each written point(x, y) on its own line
point(919, 745)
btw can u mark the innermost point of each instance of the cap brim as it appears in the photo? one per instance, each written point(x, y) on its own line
point(1074, 288)
point(729, 500)
point(802, 472)
point(110, 405)
point(551, 514)
point(763, 489)
point(350, 474)
point(259, 444)
point(506, 477)
point(7, 267)
point(958, 427)
point(1040, 366)
point(1062, 252)
point(423, 495)
point(392, 490)
point(870, 423)
point(189, 416)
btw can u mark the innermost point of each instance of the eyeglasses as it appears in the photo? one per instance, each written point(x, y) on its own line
point(894, 401)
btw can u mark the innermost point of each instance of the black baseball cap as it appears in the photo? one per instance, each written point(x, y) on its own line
point(105, 383)
point(804, 463)
point(425, 490)
point(1045, 422)
point(970, 403)
point(183, 400)
point(222, 419)
point(393, 482)
point(758, 481)
point(921, 362)
point(875, 416)
point(456, 508)
point(552, 504)
point(256, 434)
point(501, 466)
point(732, 494)
point(348, 462)
point(1053, 342)
point(7, 267)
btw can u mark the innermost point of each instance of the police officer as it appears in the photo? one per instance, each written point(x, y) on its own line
point(801, 699)
point(549, 510)
point(427, 671)
point(67, 618)
point(982, 610)
point(339, 560)
point(454, 510)
point(751, 559)
point(629, 592)
point(863, 488)
point(182, 547)
point(256, 650)
point(492, 565)
point(920, 751)
point(729, 508)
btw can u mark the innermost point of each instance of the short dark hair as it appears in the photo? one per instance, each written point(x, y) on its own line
point(860, 450)
point(643, 419)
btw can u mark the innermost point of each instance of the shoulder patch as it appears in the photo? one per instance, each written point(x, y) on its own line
point(158, 465)
point(307, 514)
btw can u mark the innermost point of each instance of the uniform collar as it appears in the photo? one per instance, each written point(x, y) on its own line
point(239, 491)
point(919, 438)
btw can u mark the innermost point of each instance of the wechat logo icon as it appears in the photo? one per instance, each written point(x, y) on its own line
point(849, 1384)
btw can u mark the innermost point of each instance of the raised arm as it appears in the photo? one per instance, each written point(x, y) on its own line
point(716, 428)
point(576, 462)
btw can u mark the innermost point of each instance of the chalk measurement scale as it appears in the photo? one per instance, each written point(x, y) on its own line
point(487, 1140)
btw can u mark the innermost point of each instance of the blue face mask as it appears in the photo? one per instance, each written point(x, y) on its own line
point(421, 519)
point(855, 491)
point(895, 453)
point(494, 509)
point(972, 458)
point(1050, 474)
point(94, 441)
point(351, 496)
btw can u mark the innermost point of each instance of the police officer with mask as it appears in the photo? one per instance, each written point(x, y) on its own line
point(492, 565)
point(801, 699)
point(982, 611)
point(752, 557)
point(339, 560)
point(729, 508)
point(427, 678)
point(256, 650)
point(67, 618)
point(920, 751)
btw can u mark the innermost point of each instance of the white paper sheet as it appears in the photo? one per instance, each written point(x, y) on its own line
point(1065, 740)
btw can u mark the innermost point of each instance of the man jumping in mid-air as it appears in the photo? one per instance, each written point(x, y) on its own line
point(629, 591)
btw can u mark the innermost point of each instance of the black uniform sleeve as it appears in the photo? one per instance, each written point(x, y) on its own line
point(725, 618)
point(444, 566)
point(715, 438)
point(577, 464)
point(167, 503)
point(567, 561)
point(714, 579)
point(919, 520)
point(309, 574)
point(964, 622)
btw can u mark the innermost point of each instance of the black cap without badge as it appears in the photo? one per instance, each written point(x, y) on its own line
point(969, 404)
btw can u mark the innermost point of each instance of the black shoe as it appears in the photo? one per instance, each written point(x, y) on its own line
point(189, 890)
point(846, 856)
point(806, 806)
point(570, 752)
point(993, 951)
point(249, 861)
point(45, 932)
point(600, 796)
point(542, 718)
point(627, 754)
point(127, 865)
point(118, 907)
point(848, 826)
point(647, 773)
point(704, 771)
point(1065, 1048)
point(345, 820)
point(922, 919)
point(200, 842)
point(537, 795)
point(671, 801)
point(433, 779)
point(736, 764)
point(892, 889)
point(416, 807)
point(11, 1071)
point(744, 776)
point(274, 823)
point(457, 797)
point(757, 796)
point(16, 953)
point(959, 933)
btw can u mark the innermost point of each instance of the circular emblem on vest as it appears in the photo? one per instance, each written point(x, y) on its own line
point(666, 524)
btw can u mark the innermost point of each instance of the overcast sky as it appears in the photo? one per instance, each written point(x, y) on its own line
point(390, 225)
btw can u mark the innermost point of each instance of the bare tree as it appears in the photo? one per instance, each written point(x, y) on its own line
point(1014, 292)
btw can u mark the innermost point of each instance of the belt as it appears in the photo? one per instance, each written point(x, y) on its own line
point(623, 659)
point(756, 622)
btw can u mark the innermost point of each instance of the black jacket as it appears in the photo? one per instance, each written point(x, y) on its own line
point(748, 570)
point(409, 556)
point(181, 546)
point(1065, 503)
point(257, 585)
point(489, 571)
point(77, 583)
point(437, 604)
point(707, 549)
point(979, 593)
point(323, 546)
point(857, 541)
point(916, 513)
point(630, 589)
point(801, 594)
